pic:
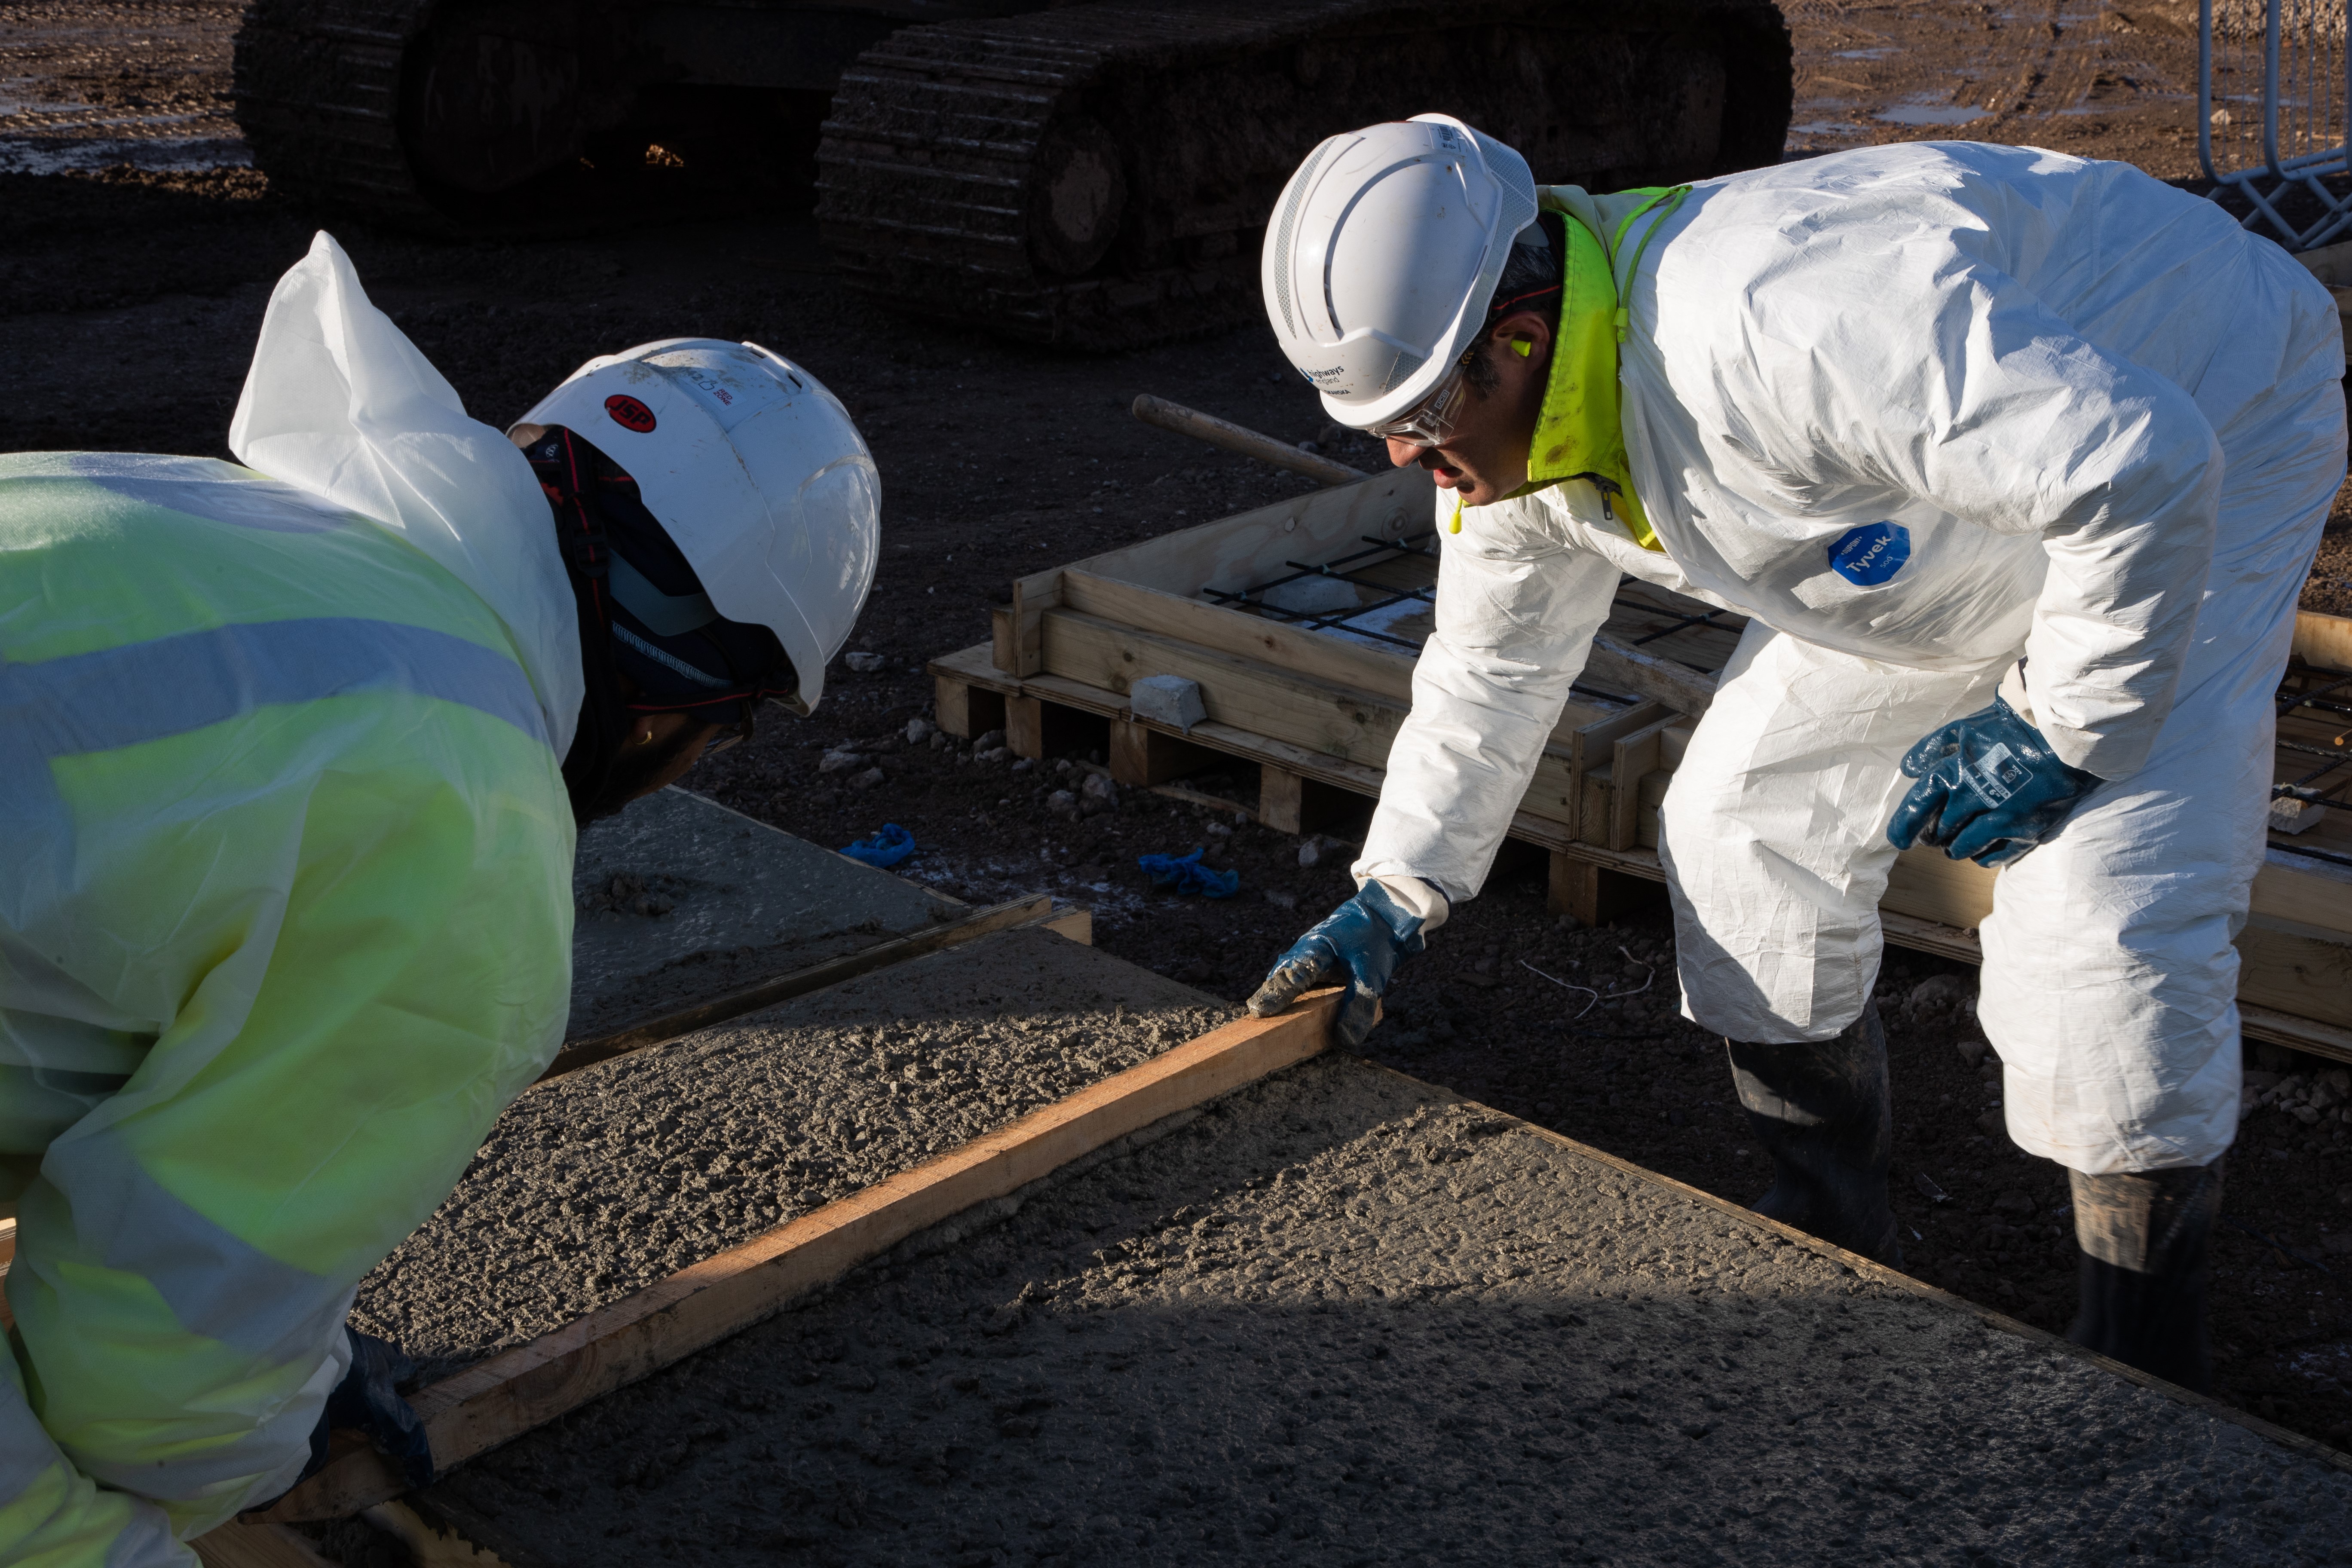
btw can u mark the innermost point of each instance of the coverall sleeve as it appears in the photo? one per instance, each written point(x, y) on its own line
point(358, 1010)
point(1517, 609)
point(1950, 384)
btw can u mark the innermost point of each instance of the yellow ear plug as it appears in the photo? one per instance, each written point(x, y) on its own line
point(1522, 347)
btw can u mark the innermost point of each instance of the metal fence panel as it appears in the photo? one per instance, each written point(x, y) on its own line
point(2273, 97)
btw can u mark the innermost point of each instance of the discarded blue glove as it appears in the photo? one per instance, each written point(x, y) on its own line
point(1989, 789)
point(367, 1402)
point(1366, 938)
point(885, 848)
point(1187, 874)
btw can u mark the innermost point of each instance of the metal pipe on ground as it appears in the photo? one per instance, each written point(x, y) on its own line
point(1234, 438)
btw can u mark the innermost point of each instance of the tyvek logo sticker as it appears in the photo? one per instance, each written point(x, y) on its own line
point(1869, 555)
point(629, 414)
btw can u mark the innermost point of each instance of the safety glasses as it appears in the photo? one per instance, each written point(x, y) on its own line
point(1431, 421)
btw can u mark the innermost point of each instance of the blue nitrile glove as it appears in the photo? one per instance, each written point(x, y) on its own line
point(367, 1403)
point(1989, 789)
point(1367, 937)
point(884, 849)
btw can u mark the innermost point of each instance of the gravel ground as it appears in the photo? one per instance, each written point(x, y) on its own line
point(1343, 1318)
point(603, 1181)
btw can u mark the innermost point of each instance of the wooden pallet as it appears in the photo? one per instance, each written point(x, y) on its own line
point(1316, 714)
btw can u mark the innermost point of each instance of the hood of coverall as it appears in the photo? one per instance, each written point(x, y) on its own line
point(341, 403)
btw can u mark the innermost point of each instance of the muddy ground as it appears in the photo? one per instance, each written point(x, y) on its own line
point(599, 1182)
point(1345, 1319)
point(129, 293)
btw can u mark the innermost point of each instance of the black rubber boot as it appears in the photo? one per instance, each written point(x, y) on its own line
point(2144, 1238)
point(1821, 1110)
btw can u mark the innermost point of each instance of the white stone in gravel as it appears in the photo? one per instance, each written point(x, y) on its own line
point(835, 762)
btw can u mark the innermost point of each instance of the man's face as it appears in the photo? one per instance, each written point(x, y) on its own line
point(1485, 458)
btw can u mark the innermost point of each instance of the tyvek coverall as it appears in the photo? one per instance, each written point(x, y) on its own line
point(285, 913)
point(2107, 422)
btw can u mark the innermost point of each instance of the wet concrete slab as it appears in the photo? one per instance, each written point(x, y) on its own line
point(599, 1182)
point(680, 901)
point(1344, 1317)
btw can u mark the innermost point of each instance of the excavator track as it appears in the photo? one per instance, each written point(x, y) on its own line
point(1094, 174)
point(1099, 175)
point(318, 87)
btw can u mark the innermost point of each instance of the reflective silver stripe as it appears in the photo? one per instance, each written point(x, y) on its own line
point(218, 1285)
point(699, 677)
point(124, 696)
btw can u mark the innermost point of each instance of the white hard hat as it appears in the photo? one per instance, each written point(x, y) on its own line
point(755, 472)
point(1384, 253)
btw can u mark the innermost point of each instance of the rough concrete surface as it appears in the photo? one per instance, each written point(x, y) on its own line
point(681, 900)
point(1345, 1318)
point(603, 1181)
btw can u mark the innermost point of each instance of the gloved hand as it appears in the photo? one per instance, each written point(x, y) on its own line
point(1367, 937)
point(1989, 789)
point(366, 1401)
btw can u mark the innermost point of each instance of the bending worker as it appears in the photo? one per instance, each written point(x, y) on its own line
point(291, 759)
point(2016, 463)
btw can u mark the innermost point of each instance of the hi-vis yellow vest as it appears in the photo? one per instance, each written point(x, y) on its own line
point(1579, 433)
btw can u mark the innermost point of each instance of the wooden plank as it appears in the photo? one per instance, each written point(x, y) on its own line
point(1252, 547)
point(1000, 641)
point(1076, 923)
point(963, 709)
point(1141, 756)
point(2323, 640)
point(1618, 666)
point(2296, 970)
point(976, 667)
point(1023, 628)
point(1927, 884)
point(242, 1543)
point(1592, 745)
point(1293, 650)
point(1342, 721)
point(1632, 759)
point(2305, 891)
point(1025, 726)
point(508, 1394)
point(1293, 802)
point(2299, 1034)
point(1281, 798)
point(1594, 895)
point(799, 983)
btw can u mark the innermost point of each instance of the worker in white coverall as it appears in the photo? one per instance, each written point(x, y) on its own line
point(2016, 464)
point(291, 759)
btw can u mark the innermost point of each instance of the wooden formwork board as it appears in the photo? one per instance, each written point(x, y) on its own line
point(512, 1392)
point(2296, 984)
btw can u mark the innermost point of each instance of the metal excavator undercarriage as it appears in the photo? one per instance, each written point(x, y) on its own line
point(1093, 174)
